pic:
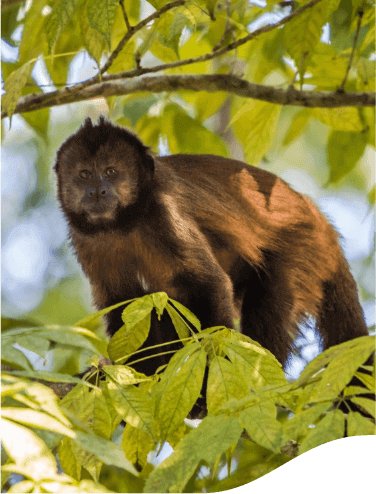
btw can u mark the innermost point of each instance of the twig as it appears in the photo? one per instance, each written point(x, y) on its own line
point(188, 61)
point(227, 28)
point(291, 86)
point(131, 31)
point(217, 53)
point(360, 15)
point(129, 27)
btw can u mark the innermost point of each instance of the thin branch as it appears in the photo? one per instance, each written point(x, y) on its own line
point(360, 15)
point(227, 30)
point(180, 63)
point(210, 83)
point(299, 70)
point(217, 53)
point(130, 33)
point(126, 20)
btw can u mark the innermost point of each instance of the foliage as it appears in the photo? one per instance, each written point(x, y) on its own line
point(255, 417)
point(203, 37)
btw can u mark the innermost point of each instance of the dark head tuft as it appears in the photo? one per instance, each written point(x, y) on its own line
point(95, 136)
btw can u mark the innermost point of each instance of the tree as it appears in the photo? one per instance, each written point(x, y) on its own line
point(188, 76)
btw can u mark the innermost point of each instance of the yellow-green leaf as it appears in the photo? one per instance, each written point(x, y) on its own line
point(331, 427)
point(344, 151)
point(264, 429)
point(62, 12)
point(33, 32)
point(136, 445)
point(180, 393)
point(302, 33)
point(345, 118)
point(93, 40)
point(225, 383)
point(101, 15)
point(297, 127)
point(213, 437)
point(255, 124)
point(126, 341)
point(37, 419)
point(14, 85)
point(187, 135)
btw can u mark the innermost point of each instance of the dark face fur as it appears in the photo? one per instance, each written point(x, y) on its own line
point(101, 171)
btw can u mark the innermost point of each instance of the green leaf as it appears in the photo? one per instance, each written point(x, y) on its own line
point(297, 127)
point(33, 395)
point(32, 40)
point(91, 321)
point(93, 40)
point(225, 383)
point(345, 118)
point(107, 451)
point(264, 429)
point(297, 427)
point(303, 33)
point(124, 375)
point(344, 151)
point(180, 393)
point(160, 300)
point(62, 12)
point(212, 438)
point(331, 427)
point(137, 311)
point(9, 22)
point(101, 15)
point(211, 6)
point(68, 460)
point(342, 368)
point(13, 87)
point(327, 67)
point(37, 460)
point(371, 196)
point(136, 445)
point(179, 324)
point(357, 425)
point(37, 419)
point(367, 405)
point(255, 124)
point(53, 377)
point(133, 405)
point(258, 366)
point(187, 135)
point(186, 313)
point(126, 341)
point(38, 120)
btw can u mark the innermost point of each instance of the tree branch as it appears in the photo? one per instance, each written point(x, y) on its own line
point(130, 33)
point(126, 20)
point(210, 83)
point(188, 61)
point(360, 15)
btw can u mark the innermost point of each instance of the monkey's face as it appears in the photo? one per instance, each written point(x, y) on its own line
point(102, 170)
point(97, 187)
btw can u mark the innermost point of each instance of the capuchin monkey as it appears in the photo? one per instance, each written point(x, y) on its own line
point(223, 238)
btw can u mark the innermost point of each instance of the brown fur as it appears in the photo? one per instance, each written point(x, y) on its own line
point(216, 234)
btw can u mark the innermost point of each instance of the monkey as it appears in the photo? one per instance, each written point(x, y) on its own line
point(223, 238)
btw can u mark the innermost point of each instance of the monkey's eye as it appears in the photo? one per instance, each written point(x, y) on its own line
point(85, 174)
point(110, 171)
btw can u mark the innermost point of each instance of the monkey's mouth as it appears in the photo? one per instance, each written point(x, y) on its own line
point(98, 212)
